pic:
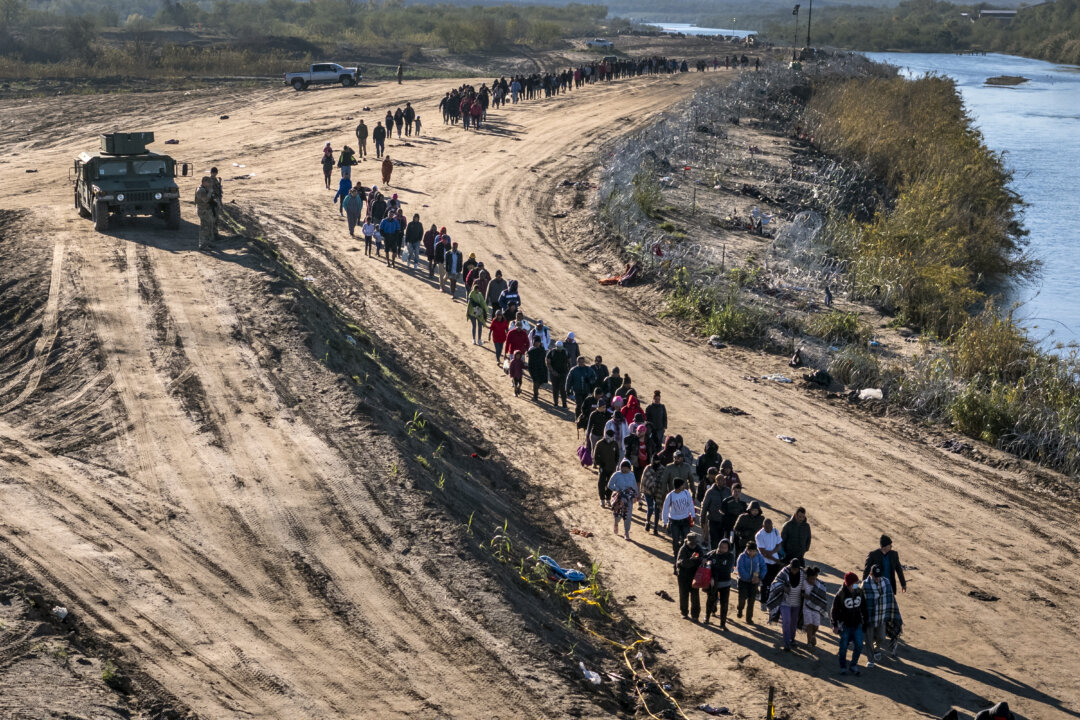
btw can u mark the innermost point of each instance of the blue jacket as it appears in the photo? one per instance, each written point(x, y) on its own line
point(343, 188)
point(747, 566)
point(388, 227)
point(353, 204)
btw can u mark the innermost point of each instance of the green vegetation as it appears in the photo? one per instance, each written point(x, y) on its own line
point(727, 313)
point(1050, 31)
point(837, 326)
point(263, 37)
point(952, 226)
point(647, 192)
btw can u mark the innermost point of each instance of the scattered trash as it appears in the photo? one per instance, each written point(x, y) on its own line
point(664, 595)
point(485, 223)
point(983, 595)
point(786, 438)
point(777, 378)
point(366, 108)
point(558, 215)
point(750, 378)
point(309, 279)
point(874, 343)
point(582, 533)
point(243, 177)
point(615, 677)
point(172, 141)
point(571, 575)
point(592, 677)
point(32, 171)
point(223, 117)
point(710, 710)
point(60, 612)
point(714, 341)
point(631, 598)
point(732, 410)
point(870, 394)
point(350, 339)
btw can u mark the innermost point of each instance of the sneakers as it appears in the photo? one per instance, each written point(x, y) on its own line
point(855, 671)
point(870, 664)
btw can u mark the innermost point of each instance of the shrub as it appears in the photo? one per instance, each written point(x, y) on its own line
point(986, 414)
point(855, 367)
point(991, 346)
point(735, 321)
point(838, 326)
point(647, 192)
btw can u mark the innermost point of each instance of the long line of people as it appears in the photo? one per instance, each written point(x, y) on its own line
point(719, 538)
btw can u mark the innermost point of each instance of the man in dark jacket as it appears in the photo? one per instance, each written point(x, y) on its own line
point(795, 536)
point(712, 509)
point(414, 234)
point(732, 506)
point(711, 458)
point(849, 614)
point(361, 139)
point(998, 712)
point(379, 136)
point(494, 290)
point(537, 367)
point(558, 365)
point(656, 416)
point(453, 262)
point(606, 454)
point(600, 372)
point(889, 561)
point(409, 114)
point(579, 383)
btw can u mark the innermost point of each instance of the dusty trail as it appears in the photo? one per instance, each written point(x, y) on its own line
point(205, 527)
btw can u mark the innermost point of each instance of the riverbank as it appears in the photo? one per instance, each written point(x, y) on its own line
point(907, 244)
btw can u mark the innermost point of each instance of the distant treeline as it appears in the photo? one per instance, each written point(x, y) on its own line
point(1050, 31)
point(245, 36)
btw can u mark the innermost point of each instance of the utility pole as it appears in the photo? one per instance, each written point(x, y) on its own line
point(809, 17)
point(795, 39)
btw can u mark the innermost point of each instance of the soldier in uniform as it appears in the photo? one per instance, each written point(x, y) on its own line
point(218, 195)
point(204, 203)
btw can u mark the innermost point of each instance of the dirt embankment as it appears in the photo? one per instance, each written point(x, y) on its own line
point(268, 554)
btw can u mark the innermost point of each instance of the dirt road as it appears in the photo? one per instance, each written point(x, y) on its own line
point(188, 511)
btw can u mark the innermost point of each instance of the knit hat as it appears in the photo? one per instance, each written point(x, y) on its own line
point(795, 563)
point(850, 579)
point(885, 540)
point(558, 343)
point(441, 230)
point(570, 335)
point(875, 571)
point(472, 256)
point(754, 506)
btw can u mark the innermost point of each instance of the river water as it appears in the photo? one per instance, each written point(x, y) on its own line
point(1037, 127)
point(690, 29)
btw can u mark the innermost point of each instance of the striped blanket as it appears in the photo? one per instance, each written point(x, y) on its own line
point(881, 605)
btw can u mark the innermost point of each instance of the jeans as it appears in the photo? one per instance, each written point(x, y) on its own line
point(875, 639)
point(714, 532)
point(789, 620)
point(498, 352)
point(477, 328)
point(379, 147)
point(679, 530)
point(354, 219)
point(652, 510)
point(849, 634)
point(414, 255)
point(368, 240)
point(537, 384)
point(771, 571)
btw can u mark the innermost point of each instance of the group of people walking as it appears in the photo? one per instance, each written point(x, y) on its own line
point(721, 540)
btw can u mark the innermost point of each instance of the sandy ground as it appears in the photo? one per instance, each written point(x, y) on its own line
point(196, 531)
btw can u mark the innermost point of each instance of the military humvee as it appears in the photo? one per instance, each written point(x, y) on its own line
point(124, 178)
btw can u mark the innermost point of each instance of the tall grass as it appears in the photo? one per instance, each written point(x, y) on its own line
point(952, 225)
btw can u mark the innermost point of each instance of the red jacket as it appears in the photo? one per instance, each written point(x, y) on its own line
point(517, 367)
point(499, 330)
point(517, 339)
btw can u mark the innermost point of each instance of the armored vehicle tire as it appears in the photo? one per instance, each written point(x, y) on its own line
point(101, 216)
point(346, 81)
point(298, 84)
point(172, 215)
point(83, 212)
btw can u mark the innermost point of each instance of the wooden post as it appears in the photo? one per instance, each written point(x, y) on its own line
point(723, 257)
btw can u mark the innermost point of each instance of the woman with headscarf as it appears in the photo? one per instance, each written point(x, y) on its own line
point(467, 267)
point(747, 525)
point(728, 474)
point(387, 170)
point(786, 600)
point(636, 448)
point(570, 345)
point(687, 453)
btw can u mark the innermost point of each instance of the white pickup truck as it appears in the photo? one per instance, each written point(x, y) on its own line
point(324, 74)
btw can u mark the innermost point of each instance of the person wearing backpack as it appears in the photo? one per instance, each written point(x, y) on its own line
point(687, 562)
point(378, 135)
point(721, 562)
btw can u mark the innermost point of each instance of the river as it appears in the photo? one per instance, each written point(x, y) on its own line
point(1037, 127)
point(690, 29)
